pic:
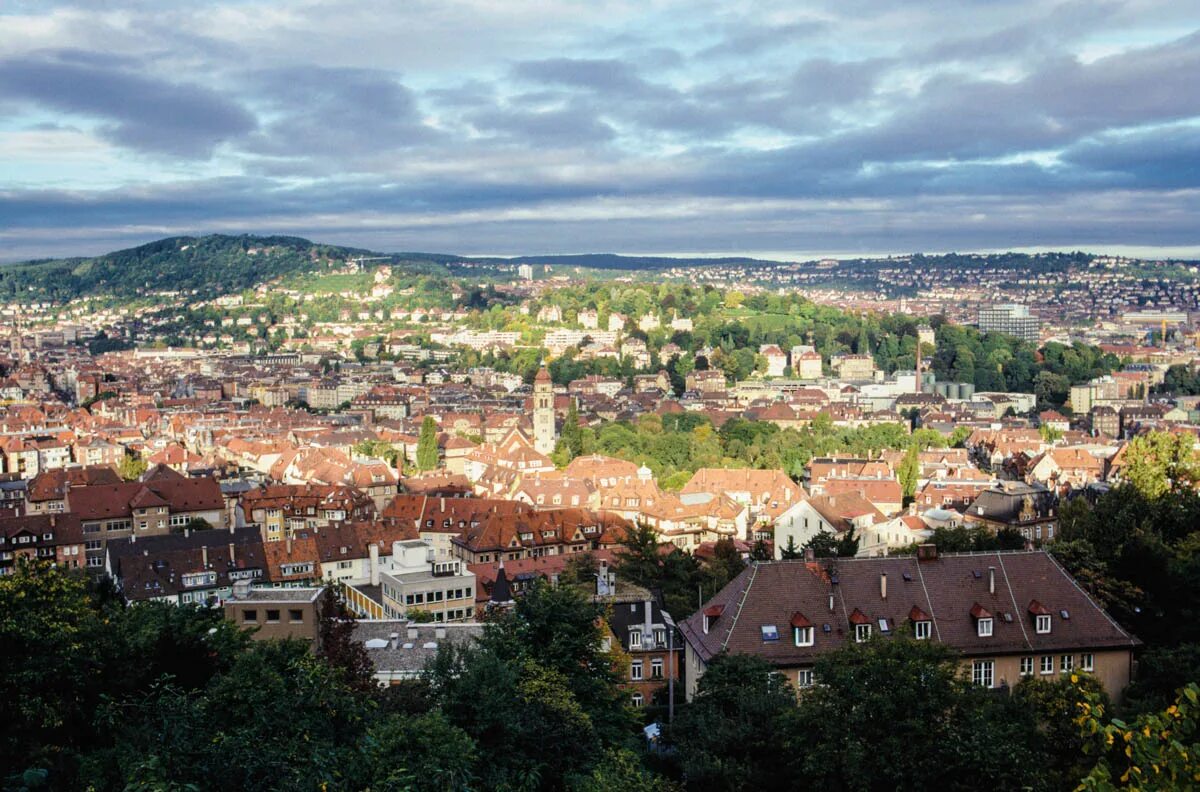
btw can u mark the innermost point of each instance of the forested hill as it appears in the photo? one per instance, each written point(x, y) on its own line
point(209, 265)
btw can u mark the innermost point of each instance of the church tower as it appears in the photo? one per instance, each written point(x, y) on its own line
point(543, 412)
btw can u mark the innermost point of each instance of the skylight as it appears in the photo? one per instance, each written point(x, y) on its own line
point(770, 632)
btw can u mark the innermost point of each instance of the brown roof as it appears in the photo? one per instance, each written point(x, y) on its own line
point(946, 588)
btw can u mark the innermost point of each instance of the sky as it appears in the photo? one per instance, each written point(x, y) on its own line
point(791, 129)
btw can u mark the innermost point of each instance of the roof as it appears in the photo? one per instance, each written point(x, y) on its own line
point(947, 588)
point(394, 650)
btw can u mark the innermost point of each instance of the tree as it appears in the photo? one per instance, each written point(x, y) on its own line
point(1157, 750)
point(336, 644)
point(740, 701)
point(1160, 462)
point(790, 551)
point(907, 720)
point(909, 471)
point(570, 443)
point(131, 468)
point(427, 448)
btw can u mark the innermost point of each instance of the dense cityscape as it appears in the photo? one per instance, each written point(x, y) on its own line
point(544, 396)
point(404, 472)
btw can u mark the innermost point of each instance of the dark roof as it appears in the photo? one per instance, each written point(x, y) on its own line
point(1014, 503)
point(943, 590)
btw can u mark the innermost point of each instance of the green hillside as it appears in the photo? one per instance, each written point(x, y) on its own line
point(209, 265)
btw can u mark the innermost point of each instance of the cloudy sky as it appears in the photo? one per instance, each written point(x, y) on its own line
point(648, 126)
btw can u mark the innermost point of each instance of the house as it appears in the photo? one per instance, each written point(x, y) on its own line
point(768, 493)
point(1030, 509)
point(646, 633)
point(1008, 615)
point(836, 514)
point(57, 538)
point(198, 567)
point(776, 358)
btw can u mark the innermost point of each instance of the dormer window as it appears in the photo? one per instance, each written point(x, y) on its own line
point(711, 614)
point(983, 620)
point(635, 639)
point(803, 633)
point(922, 630)
point(862, 632)
point(1041, 617)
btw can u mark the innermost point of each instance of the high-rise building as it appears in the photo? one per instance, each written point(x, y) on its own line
point(543, 412)
point(1011, 319)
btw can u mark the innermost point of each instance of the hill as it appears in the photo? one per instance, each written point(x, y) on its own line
point(209, 265)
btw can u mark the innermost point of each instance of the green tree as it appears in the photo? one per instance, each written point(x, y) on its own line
point(790, 551)
point(909, 472)
point(740, 701)
point(131, 468)
point(1157, 750)
point(907, 721)
point(427, 448)
point(1160, 462)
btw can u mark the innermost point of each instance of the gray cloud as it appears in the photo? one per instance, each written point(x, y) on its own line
point(138, 111)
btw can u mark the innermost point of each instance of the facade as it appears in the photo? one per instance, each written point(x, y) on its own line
point(1030, 509)
point(277, 613)
point(1011, 319)
point(412, 580)
point(1009, 615)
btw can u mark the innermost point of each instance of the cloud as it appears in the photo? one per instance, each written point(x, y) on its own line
point(135, 110)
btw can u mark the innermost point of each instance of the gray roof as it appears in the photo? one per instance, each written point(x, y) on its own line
point(404, 655)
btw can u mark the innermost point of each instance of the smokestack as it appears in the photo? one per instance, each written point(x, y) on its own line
point(991, 580)
point(373, 553)
point(883, 585)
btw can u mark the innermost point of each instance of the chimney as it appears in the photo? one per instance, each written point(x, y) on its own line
point(412, 633)
point(991, 580)
point(810, 555)
point(883, 585)
point(927, 552)
point(439, 633)
point(289, 544)
point(394, 639)
point(373, 552)
point(232, 554)
point(204, 556)
point(831, 602)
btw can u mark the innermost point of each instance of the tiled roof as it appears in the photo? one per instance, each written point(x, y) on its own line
point(945, 590)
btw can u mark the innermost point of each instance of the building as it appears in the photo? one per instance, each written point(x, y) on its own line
point(1011, 319)
point(400, 649)
point(412, 580)
point(277, 613)
point(1030, 509)
point(1009, 615)
point(543, 413)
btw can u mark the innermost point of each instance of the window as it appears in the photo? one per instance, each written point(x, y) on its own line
point(1087, 662)
point(983, 672)
point(862, 632)
point(272, 616)
point(984, 627)
point(635, 639)
point(1067, 663)
point(1026, 666)
point(1043, 623)
point(635, 670)
point(770, 632)
point(656, 668)
point(345, 564)
point(638, 700)
point(1047, 664)
point(95, 561)
point(804, 678)
point(250, 615)
point(296, 616)
point(804, 635)
point(922, 630)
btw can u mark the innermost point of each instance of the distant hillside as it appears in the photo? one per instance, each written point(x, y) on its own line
point(617, 262)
